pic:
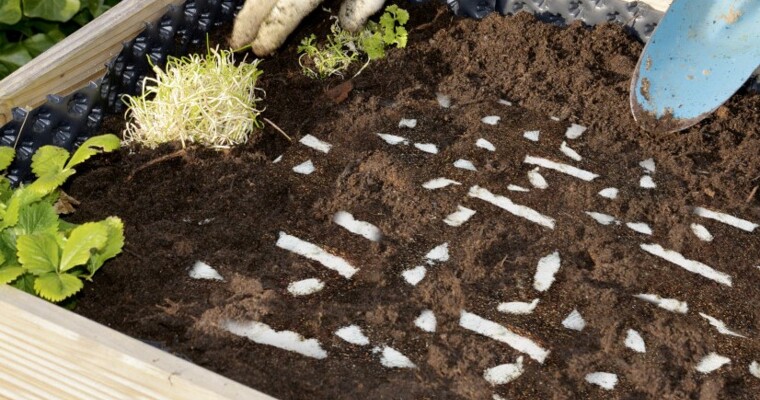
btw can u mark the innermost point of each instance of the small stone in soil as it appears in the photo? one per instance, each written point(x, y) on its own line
point(465, 164)
point(305, 287)
point(532, 135)
point(314, 252)
point(560, 167)
point(504, 373)
point(575, 131)
point(701, 232)
point(306, 167)
point(548, 266)
point(278, 159)
point(491, 120)
point(459, 217)
point(648, 165)
point(201, 270)
point(392, 358)
point(754, 369)
point(485, 144)
point(439, 183)
point(505, 102)
point(261, 333)
point(640, 227)
point(443, 100)
point(352, 334)
point(720, 326)
point(647, 182)
point(438, 254)
point(392, 139)
point(536, 179)
point(712, 362)
point(605, 380)
point(427, 147)
point(672, 305)
point(407, 123)
point(499, 333)
point(316, 144)
point(518, 307)
point(414, 275)
point(574, 321)
point(635, 342)
point(553, 118)
point(601, 218)
point(361, 228)
point(516, 188)
point(692, 266)
point(609, 193)
point(511, 207)
point(426, 321)
point(572, 154)
point(742, 224)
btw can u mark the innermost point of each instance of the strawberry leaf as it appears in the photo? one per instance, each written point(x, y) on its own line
point(83, 240)
point(56, 287)
point(6, 157)
point(49, 160)
point(37, 218)
point(112, 247)
point(10, 273)
point(39, 253)
point(93, 145)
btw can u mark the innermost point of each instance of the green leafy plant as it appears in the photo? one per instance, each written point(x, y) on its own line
point(29, 27)
point(207, 99)
point(343, 48)
point(40, 253)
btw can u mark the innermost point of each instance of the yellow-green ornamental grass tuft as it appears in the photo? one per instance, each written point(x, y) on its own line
point(204, 99)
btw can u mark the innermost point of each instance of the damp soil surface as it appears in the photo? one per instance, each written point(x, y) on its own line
point(228, 209)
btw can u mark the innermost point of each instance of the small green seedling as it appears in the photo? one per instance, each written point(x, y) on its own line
point(205, 99)
point(40, 253)
point(343, 47)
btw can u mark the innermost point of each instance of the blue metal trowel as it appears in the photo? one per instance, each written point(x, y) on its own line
point(700, 54)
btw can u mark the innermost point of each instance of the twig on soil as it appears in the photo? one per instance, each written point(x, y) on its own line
point(179, 153)
point(752, 194)
point(133, 253)
point(277, 128)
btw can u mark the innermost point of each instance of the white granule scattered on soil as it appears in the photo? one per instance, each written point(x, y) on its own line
point(352, 334)
point(393, 139)
point(532, 135)
point(754, 369)
point(701, 232)
point(720, 326)
point(572, 154)
point(648, 165)
point(505, 102)
point(575, 131)
point(647, 182)
point(536, 179)
point(548, 266)
point(574, 321)
point(361, 228)
point(742, 224)
point(426, 321)
point(672, 305)
point(515, 188)
point(485, 144)
point(414, 275)
point(518, 307)
point(427, 147)
point(439, 183)
point(553, 118)
point(491, 120)
point(316, 144)
point(465, 164)
point(692, 266)
point(513, 208)
point(459, 217)
point(604, 380)
point(261, 333)
point(635, 342)
point(604, 219)
point(278, 159)
point(712, 362)
point(314, 252)
point(305, 287)
point(609, 193)
point(560, 167)
point(640, 227)
point(392, 358)
point(504, 373)
point(407, 123)
point(443, 100)
point(438, 254)
point(499, 333)
point(201, 270)
point(306, 167)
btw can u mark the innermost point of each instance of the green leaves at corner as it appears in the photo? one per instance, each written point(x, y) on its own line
point(39, 253)
point(10, 11)
point(51, 10)
point(92, 146)
point(83, 239)
point(113, 245)
point(56, 287)
point(37, 218)
point(6, 156)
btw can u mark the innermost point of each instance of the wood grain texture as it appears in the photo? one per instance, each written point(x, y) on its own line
point(78, 59)
point(47, 352)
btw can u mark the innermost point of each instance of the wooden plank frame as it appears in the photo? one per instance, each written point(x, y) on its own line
point(47, 352)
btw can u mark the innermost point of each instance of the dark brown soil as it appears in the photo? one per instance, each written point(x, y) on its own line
point(227, 208)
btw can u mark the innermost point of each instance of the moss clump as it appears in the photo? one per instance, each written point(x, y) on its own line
point(204, 99)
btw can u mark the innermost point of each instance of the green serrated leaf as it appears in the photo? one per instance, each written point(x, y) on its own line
point(46, 184)
point(7, 154)
point(84, 239)
point(51, 10)
point(49, 160)
point(92, 146)
point(10, 12)
point(401, 37)
point(25, 282)
point(65, 226)
point(37, 218)
point(21, 198)
point(10, 273)
point(56, 287)
point(113, 246)
point(39, 253)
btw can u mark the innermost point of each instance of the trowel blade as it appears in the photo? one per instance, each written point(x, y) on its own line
point(700, 54)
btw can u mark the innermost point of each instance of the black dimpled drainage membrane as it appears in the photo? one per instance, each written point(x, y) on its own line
point(69, 120)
